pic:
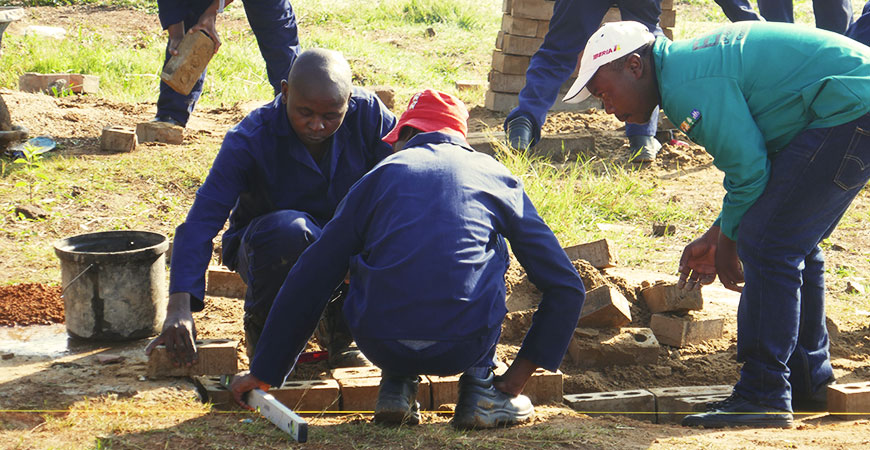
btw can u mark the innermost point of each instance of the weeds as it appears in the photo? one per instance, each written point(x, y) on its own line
point(32, 170)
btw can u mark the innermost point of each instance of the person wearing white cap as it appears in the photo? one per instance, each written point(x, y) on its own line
point(783, 110)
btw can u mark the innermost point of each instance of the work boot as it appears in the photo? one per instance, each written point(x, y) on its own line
point(817, 402)
point(481, 405)
point(643, 149)
point(736, 411)
point(334, 336)
point(397, 400)
point(519, 133)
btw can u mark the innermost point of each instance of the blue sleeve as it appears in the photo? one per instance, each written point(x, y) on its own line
point(171, 12)
point(549, 268)
point(306, 290)
point(192, 246)
point(729, 133)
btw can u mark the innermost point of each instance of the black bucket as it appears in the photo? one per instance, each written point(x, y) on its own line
point(114, 284)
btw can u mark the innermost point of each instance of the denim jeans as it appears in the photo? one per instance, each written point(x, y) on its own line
point(573, 22)
point(270, 245)
point(782, 340)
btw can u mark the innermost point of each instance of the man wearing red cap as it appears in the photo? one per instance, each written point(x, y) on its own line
point(423, 237)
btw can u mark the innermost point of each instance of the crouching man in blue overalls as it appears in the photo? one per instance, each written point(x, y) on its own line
point(423, 235)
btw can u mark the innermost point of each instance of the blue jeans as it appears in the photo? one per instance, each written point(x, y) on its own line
point(572, 24)
point(474, 355)
point(831, 15)
point(782, 340)
point(274, 26)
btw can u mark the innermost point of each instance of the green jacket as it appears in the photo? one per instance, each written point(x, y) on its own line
point(747, 89)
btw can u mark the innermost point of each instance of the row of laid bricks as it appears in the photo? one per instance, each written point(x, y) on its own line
point(356, 389)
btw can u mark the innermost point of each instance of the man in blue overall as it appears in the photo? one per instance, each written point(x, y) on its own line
point(783, 110)
point(572, 23)
point(423, 236)
point(279, 176)
point(272, 22)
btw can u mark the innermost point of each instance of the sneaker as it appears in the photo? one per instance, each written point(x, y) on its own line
point(817, 402)
point(643, 148)
point(736, 411)
point(397, 400)
point(519, 133)
point(481, 405)
point(167, 119)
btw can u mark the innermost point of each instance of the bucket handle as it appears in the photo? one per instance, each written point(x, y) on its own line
point(76, 278)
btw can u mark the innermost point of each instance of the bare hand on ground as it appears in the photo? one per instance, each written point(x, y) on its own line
point(243, 384)
point(179, 332)
point(728, 264)
point(698, 262)
point(514, 379)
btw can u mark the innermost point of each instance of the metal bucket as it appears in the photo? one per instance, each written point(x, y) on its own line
point(114, 284)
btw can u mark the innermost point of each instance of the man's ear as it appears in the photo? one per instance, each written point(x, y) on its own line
point(635, 64)
point(285, 91)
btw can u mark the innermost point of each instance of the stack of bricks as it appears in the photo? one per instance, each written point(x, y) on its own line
point(523, 27)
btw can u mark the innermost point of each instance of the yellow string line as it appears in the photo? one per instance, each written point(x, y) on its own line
point(42, 411)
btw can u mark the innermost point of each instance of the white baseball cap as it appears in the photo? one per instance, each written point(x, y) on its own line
point(611, 42)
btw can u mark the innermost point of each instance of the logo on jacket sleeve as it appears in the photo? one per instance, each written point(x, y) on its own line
point(690, 121)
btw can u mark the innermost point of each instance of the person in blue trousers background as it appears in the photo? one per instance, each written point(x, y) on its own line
point(573, 22)
point(831, 15)
point(272, 22)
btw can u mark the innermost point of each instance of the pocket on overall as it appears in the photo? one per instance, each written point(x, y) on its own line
point(854, 169)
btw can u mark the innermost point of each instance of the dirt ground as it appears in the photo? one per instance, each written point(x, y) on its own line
point(41, 371)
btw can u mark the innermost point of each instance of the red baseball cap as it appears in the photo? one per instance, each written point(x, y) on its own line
point(432, 110)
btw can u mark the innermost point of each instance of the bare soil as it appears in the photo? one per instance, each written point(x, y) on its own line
point(41, 395)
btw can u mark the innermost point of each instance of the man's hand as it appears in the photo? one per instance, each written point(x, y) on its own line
point(179, 332)
point(244, 383)
point(176, 34)
point(207, 23)
point(728, 264)
point(698, 262)
point(514, 379)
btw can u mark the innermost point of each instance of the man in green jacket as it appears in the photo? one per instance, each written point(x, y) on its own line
point(783, 110)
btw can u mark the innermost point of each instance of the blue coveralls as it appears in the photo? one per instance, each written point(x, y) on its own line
point(276, 196)
point(572, 24)
point(737, 10)
point(831, 15)
point(423, 236)
point(785, 112)
point(273, 24)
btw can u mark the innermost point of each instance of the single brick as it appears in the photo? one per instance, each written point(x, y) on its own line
point(159, 132)
point(210, 390)
point(520, 45)
point(668, 32)
point(506, 6)
point(543, 386)
point(668, 19)
point(215, 357)
point(183, 70)
point(502, 82)
point(600, 253)
point(532, 9)
point(60, 82)
point(510, 64)
point(624, 347)
point(519, 26)
point(849, 401)
point(445, 390)
point(667, 5)
point(359, 392)
point(466, 85)
point(386, 94)
point(543, 27)
point(680, 331)
point(674, 403)
point(667, 297)
point(222, 282)
point(605, 307)
point(499, 40)
point(118, 139)
point(308, 395)
point(638, 404)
